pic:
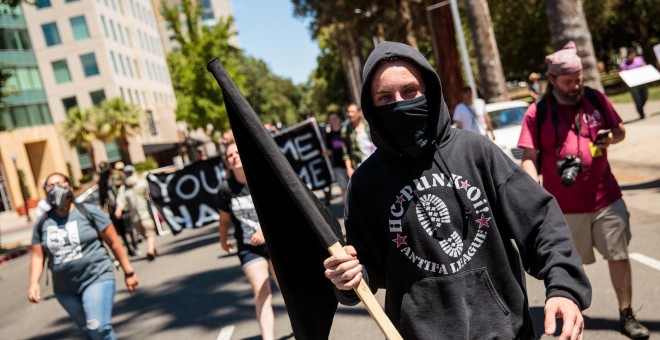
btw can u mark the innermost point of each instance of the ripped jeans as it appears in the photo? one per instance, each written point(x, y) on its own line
point(92, 310)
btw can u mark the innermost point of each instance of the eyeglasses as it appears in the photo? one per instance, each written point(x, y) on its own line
point(59, 184)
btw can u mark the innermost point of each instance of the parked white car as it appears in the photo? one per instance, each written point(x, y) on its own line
point(507, 119)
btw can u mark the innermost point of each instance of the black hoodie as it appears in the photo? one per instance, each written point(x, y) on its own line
point(438, 231)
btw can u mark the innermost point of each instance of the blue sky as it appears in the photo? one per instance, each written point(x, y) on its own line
point(267, 30)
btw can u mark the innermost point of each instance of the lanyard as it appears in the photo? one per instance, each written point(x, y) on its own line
point(578, 124)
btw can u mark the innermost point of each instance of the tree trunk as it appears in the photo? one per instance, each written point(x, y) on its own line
point(445, 52)
point(89, 148)
point(122, 145)
point(567, 22)
point(407, 21)
point(491, 74)
point(351, 63)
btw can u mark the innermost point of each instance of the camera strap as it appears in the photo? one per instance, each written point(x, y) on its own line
point(555, 122)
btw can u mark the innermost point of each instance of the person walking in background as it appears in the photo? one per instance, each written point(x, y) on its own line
point(471, 115)
point(577, 125)
point(236, 207)
point(71, 236)
point(639, 93)
point(356, 139)
point(109, 183)
point(335, 150)
point(534, 86)
point(441, 219)
point(134, 195)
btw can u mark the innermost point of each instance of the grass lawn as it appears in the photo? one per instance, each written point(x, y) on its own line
point(625, 97)
point(616, 90)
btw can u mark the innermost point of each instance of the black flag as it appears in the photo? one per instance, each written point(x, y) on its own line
point(298, 228)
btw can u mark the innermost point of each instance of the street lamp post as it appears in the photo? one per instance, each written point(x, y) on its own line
point(12, 155)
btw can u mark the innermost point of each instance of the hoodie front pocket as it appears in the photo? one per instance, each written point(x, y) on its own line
point(461, 306)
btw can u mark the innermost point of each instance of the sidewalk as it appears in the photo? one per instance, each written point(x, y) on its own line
point(631, 162)
point(15, 234)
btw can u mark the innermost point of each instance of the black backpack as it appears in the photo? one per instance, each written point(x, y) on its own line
point(541, 112)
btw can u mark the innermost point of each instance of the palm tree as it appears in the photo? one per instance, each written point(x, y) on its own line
point(567, 22)
point(79, 131)
point(117, 119)
point(491, 73)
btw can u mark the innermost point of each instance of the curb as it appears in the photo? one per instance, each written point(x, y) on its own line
point(12, 254)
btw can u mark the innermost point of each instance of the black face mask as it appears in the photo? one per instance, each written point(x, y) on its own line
point(404, 123)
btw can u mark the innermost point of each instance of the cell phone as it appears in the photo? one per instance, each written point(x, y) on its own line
point(603, 134)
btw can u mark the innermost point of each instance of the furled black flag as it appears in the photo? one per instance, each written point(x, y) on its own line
point(298, 228)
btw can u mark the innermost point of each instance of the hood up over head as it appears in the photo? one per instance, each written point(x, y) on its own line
point(438, 125)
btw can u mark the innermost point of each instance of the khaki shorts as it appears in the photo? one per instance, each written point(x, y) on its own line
point(146, 227)
point(607, 229)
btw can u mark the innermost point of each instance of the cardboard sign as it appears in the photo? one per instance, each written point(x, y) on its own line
point(304, 148)
point(640, 76)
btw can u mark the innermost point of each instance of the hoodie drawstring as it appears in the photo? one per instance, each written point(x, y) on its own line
point(464, 207)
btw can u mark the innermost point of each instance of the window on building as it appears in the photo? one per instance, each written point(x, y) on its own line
point(14, 39)
point(97, 96)
point(130, 67)
point(121, 63)
point(151, 77)
point(114, 62)
point(137, 69)
point(89, 65)
point(24, 79)
point(69, 103)
point(79, 28)
point(61, 70)
point(105, 28)
point(112, 150)
point(43, 4)
point(83, 158)
point(128, 37)
point(51, 34)
point(25, 116)
point(152, 123)
point(112, 29)
point(121, 33)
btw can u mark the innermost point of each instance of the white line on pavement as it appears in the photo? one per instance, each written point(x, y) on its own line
point(643, 259)
point(225, 333)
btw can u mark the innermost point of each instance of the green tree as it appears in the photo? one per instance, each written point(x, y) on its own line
point(25, 190)
point(79, 131)
point(117, 119)
point(198, 95)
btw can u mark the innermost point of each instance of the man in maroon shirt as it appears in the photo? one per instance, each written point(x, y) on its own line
point(572, 140)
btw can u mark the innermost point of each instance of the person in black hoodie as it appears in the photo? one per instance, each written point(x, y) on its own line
point(442, 219)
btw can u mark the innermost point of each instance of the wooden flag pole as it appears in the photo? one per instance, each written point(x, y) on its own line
point(369, 301)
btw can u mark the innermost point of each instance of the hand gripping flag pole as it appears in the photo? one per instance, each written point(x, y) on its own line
point(298, 228)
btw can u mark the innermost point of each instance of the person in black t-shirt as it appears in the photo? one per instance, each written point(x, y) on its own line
point(334, 150)
point(236, 207)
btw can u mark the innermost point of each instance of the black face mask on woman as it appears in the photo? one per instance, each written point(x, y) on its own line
point(405, 124)
point(57, 197)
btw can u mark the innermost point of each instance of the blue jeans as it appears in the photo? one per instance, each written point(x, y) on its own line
point(92, 310)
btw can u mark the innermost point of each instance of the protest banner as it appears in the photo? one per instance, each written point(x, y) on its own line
point(303, 148)
point(188, 198)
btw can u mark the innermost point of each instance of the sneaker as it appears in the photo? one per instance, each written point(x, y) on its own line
point(630, 326)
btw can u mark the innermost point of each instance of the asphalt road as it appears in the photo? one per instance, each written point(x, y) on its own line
point(195, 291)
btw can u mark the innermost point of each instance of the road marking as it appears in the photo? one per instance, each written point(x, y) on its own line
point(643, 259)
point(226, 332)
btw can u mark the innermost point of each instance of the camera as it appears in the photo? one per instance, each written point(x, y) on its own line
point(568, 168)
